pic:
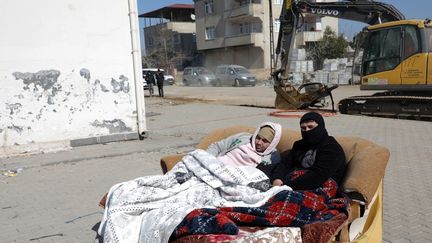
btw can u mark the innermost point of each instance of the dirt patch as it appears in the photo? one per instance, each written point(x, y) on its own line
point(156, 101)
point(184, 100)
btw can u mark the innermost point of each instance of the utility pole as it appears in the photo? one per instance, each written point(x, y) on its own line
point(165, 49)
point(272, 52)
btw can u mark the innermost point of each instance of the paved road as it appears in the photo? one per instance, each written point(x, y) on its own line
point(54, 198)
point(259, 95)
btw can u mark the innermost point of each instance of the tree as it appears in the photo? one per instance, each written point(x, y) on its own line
point(162, 53)
point(329, 46)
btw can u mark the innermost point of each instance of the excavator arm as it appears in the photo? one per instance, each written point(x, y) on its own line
point(369, 12)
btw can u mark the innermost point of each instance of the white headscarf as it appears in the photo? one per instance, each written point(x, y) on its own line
point(278, 134)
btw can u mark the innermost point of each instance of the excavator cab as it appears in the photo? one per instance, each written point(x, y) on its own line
point(395, 56)
point(396, 62)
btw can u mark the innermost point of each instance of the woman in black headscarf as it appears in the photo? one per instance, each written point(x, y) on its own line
point(319, 155)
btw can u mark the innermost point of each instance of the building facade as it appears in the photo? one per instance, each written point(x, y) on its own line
point(70, 74)
point(238, 31)
point(170, 36)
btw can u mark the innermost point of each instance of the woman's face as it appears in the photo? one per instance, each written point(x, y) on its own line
point(308, 125)
point(261, 144)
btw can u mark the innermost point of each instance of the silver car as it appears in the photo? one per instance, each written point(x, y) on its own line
point(199, 76)
point(234, 75)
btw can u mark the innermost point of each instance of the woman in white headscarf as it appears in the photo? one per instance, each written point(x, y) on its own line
point(246, 149)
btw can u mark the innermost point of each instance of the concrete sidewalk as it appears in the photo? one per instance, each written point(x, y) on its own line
point(55, 197)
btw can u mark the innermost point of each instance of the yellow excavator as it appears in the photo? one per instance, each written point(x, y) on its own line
point(396, 59)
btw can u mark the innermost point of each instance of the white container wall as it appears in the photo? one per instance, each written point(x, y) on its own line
point(66, 70)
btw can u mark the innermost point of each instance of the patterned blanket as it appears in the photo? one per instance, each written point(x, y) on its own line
point(148, 209)
point(287, 208)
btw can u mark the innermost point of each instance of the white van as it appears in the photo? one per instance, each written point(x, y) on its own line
point(168, 79)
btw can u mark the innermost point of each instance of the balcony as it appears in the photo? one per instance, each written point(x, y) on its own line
point(308, 36)
point(181, 27)
point(245, 39)
point(247, 10)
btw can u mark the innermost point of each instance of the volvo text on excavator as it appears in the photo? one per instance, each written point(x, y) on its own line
point(397, 59)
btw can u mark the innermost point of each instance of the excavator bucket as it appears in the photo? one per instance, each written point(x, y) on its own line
point(305, 96)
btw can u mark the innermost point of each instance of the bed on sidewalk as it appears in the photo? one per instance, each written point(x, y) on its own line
point(362, 184)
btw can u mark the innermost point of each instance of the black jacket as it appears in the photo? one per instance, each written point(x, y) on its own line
point(160, 78)
point(321, 161)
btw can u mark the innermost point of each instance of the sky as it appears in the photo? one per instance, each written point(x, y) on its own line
point(412, 9)
point(145, 6)
point(419, 9)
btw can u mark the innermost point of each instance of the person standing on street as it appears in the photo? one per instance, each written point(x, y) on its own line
point(160, 82)
point(150, 78)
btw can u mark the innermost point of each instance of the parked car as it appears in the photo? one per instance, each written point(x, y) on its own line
point(234, 75)
point(168, 79)
point(199, 76)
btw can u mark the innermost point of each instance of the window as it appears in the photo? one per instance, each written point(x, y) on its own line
point(209, 8)
point(244, 2)
point(277, 1)
point(411, 44)
point(382, 50)
point(245, 28)
point(318, 26)
point(220, 70)
point(276, 25)
point(187, 71)
point(177, 38)
point(428, 32)
point(256, 27)
point(241, 70)
point(150, 41)
point(210, 33)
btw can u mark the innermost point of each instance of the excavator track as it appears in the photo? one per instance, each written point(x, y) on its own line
point(386, 105)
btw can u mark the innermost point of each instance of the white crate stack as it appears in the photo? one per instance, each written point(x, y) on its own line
point(334, 72)
point(299, 65)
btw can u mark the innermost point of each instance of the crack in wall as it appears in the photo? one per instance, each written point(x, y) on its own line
point(114, 126)
point(44, 79)
point(122, 85)
point(85, 73)
point(17, 129)
point(14, 108)
point(40, 92)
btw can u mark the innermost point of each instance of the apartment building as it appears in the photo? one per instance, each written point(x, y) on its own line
point(169, 33)
point(238, 31)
